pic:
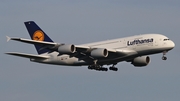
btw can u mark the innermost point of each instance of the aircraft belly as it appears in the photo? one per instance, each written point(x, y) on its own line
point(69, 61)
point(115, 60)
point(58, 61)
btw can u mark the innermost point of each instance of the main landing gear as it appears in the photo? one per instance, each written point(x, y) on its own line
point(113, 68)
point(100, 68)
point(97, 67)
point(164, 55)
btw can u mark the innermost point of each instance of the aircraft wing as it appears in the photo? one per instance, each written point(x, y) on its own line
point(31, 56)
point(29, 41)
point(49, 45)
point(113, 53)
point(82, 52)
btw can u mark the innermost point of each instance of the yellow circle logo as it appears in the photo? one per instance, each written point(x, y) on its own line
point(38, 35)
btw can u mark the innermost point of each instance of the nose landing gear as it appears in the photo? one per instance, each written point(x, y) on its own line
point(164, 58)
point(164, 55)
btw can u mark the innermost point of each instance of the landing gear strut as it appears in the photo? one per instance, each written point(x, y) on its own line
point(164, 55)
point(113, 68)
point(97, 67)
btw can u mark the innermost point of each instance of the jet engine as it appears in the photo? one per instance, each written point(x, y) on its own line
point(67, 49)
point(99, 53)
point(141, 61)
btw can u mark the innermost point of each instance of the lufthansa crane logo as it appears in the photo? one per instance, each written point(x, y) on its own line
point(38, 35)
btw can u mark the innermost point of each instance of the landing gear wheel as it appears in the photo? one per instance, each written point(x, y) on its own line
point(113, 68)
point(110, 68)
point(164, 58)
point(97, 67)
point(105, 69)
point(101, 69)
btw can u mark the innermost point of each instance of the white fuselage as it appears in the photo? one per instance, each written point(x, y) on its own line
point(139, 45)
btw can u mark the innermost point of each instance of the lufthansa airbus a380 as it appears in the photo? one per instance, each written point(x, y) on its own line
point(132, 49)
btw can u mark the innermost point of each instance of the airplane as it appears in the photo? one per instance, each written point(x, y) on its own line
point(133, 49)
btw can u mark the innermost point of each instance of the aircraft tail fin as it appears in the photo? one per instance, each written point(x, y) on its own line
point(36, 33)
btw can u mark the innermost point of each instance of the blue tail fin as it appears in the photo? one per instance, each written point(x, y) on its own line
point(36, 33)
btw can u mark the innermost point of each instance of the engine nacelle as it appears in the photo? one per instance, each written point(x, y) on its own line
point(66, 49)
point(141, 61)
point(99, 53)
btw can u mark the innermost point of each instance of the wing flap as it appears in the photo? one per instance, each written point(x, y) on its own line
point(31, 56)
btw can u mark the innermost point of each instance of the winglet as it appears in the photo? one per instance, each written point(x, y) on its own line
point(8, 38)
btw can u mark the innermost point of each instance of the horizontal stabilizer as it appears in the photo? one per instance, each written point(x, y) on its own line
point(31, 56)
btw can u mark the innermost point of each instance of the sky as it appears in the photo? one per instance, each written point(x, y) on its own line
point(84, 21)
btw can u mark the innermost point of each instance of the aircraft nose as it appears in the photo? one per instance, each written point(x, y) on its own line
point(172, 44)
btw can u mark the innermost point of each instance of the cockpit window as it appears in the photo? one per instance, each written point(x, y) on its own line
point(166, 39)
